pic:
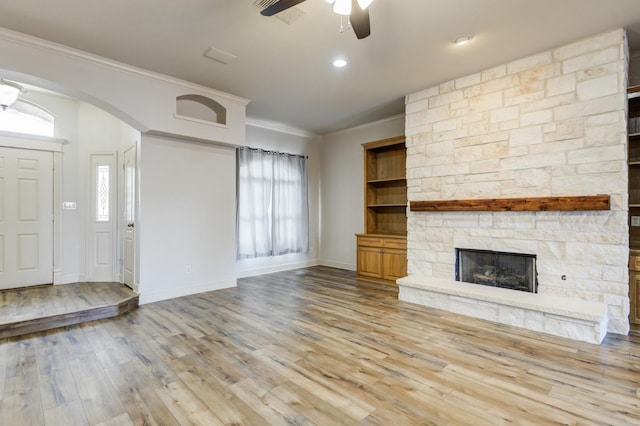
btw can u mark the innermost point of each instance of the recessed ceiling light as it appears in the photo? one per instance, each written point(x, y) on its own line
point(339, 63)
point(462, 40)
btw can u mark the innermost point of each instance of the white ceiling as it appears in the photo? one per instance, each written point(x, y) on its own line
point(285, 69)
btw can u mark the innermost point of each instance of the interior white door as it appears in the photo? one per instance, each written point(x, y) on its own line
point(26, 217)
point(129, 216)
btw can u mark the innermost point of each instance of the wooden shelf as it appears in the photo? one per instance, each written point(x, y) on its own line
point(592, 202)
point(386, 205)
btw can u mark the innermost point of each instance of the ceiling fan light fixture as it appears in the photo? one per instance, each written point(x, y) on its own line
point(364, 3)
point(342, 7)
point(9, 92)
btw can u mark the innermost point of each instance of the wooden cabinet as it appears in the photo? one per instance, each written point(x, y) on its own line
point(634, 206)
point(382, 257)
point(382, 248)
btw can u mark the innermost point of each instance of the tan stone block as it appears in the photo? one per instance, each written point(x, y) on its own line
point(529, 62)
point(556, 146)
point(616, 67)
point(570, 129)
point(485, 166)
point(562, 84)
point(591, 44)
point(603, 135)
point(467, 81)
point(536, 117)
point(508, 125)
point(548, 103)
point(436, 114)
point(540, 73)
point(598, 87)
point(525, 136)
point(525, 162)
point(446, 98)
point(590, 60)
point(486, 102)
point(421, 95)
point(495, 150)
point(447, 87)
point(602, 105)
point(504, 114)
point(417, 107)
point(493, 73)
point(596, 154)
point(468, 154)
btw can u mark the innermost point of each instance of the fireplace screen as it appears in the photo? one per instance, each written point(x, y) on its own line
point(507, 270)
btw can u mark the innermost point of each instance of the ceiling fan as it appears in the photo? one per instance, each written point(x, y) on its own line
point(357, 10)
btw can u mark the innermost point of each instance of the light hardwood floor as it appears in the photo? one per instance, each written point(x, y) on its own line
point(312, 346)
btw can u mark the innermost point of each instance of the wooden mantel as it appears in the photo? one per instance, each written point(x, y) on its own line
point(538, 204)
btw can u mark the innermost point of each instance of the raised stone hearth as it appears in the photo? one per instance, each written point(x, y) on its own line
point(574, 319)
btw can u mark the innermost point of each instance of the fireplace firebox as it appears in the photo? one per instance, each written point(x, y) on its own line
point(514, 271)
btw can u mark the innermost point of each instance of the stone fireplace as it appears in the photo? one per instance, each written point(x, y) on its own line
point(548, 125)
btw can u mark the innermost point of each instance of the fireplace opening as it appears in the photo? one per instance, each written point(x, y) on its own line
point(514, 271)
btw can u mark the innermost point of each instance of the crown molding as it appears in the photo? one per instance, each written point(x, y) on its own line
point(59, 49)
point(279, 127)
point(364, 126)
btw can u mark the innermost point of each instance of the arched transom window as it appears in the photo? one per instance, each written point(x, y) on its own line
point(26, 117)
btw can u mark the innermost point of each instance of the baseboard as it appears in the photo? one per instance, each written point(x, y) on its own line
point(339, 265)
point(157, 296)
point(276, 268)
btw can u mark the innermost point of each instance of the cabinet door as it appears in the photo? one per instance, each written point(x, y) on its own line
point(370, 261)
point(394, 264)
point(634, 299)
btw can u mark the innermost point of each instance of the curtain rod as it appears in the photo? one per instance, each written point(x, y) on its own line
point(273, 152)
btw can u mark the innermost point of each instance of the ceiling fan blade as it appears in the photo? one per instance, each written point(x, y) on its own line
point(360, 20)
point(279, 7)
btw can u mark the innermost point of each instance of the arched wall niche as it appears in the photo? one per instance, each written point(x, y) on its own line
point(201, 108)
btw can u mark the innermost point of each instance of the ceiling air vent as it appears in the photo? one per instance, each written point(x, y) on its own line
point(288, 16)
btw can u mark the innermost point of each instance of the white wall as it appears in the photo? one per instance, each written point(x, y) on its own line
point(273, 140)
point(186, 218)
point(342, 189)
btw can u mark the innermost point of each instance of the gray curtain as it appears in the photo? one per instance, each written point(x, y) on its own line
point(272, 214)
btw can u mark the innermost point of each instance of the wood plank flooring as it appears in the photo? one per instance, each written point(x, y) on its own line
point(312, 346)
point(32, 309)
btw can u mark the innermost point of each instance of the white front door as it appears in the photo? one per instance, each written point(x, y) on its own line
point(129, 216)
point(26, 217)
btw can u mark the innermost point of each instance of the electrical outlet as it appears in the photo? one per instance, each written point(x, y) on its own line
point(187, 269)
point(635, 220)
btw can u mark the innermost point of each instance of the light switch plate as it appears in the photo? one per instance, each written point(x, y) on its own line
point(635, 220)
point(71, 205)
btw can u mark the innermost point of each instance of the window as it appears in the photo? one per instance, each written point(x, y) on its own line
point(26, 117)
point(102, 193)
point(272, 211)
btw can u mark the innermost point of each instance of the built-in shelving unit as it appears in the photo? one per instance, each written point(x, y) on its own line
point(634, 205)
point(382, 248)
